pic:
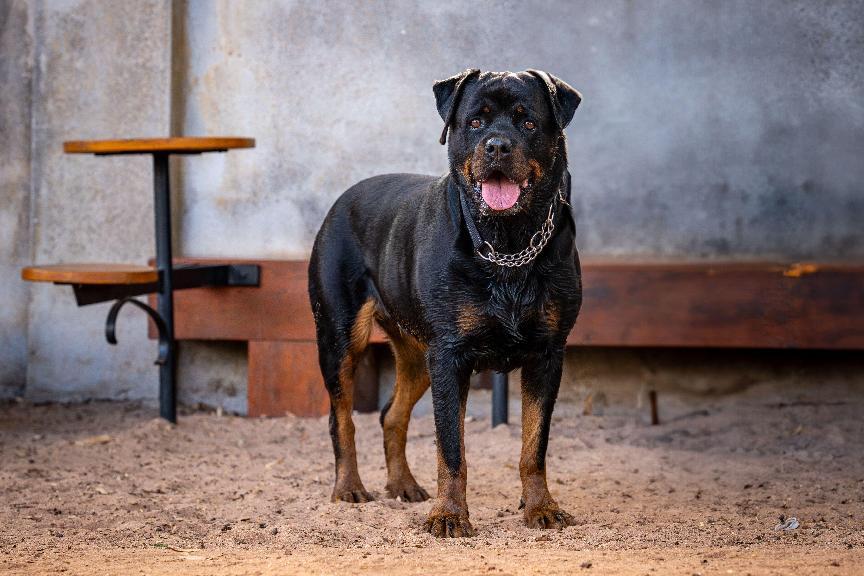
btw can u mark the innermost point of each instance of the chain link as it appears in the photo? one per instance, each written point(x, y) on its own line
point(535, 245)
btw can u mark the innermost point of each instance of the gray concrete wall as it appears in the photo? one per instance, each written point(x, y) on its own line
point(16, 69)
point(708, 130)
point(103, 71)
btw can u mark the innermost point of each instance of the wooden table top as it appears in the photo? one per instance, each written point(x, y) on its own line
point(184, 145)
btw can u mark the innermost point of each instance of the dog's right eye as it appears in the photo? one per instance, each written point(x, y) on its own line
point(475, 123)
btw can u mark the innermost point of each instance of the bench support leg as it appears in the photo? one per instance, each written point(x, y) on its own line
point(111, 326)
point(499, 398)
point(165, 296)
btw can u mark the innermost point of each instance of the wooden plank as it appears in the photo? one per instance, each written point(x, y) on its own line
point(759, 305)
point(278, 309)
point(91, 274)
point(185, 145)
point(722, 305)
point(284, 378)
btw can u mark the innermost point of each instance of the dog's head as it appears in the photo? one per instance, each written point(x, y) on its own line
point(506, 134)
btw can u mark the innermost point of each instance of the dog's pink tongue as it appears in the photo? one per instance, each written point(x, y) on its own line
point(499, 193)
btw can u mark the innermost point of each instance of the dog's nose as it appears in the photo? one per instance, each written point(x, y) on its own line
point(497, 147)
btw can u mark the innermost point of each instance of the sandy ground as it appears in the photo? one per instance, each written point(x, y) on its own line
point(105, 488)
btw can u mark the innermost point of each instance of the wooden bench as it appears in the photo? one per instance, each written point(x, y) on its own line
point(698, 304)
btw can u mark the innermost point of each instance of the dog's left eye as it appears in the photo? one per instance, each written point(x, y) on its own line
point(530, 125)
point(475, 123)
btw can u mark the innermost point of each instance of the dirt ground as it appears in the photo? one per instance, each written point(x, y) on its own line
point(106, 488)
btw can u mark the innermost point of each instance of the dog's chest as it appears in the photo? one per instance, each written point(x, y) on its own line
point(509, 322)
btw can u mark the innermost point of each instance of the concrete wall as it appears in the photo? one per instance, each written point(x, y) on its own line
point(16, 69)
point(102, 71)
point(708, 130)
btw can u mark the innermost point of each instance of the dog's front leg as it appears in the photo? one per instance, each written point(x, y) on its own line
point(450, 378)
point(541, 377)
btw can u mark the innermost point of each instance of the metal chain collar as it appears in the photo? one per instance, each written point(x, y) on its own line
point(535, 245)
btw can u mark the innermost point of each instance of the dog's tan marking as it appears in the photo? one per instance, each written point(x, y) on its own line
point(469, 318)
point(359, 339)
point(531, 421)
point(362, 327)
point(553, 316)
point(466, 170)
point(536, 169)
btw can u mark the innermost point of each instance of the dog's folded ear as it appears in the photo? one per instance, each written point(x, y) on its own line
point(563, 98)
point(447, 95)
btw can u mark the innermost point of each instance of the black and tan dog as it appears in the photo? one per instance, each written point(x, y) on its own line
point(473, 270)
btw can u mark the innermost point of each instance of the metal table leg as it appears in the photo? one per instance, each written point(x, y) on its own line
point(499, 398)
point(165, 295)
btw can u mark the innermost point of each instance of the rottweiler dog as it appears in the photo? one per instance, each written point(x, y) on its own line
point(473, 270)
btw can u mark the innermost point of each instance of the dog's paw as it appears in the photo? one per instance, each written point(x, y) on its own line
point(407, 491)
point(548, 516)
point(355, 494)
point(447, 525)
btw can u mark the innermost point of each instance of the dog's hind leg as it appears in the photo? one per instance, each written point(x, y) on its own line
point(412, 380)
point(340, 346)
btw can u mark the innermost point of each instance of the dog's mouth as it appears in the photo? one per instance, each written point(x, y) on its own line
point(500, 192)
